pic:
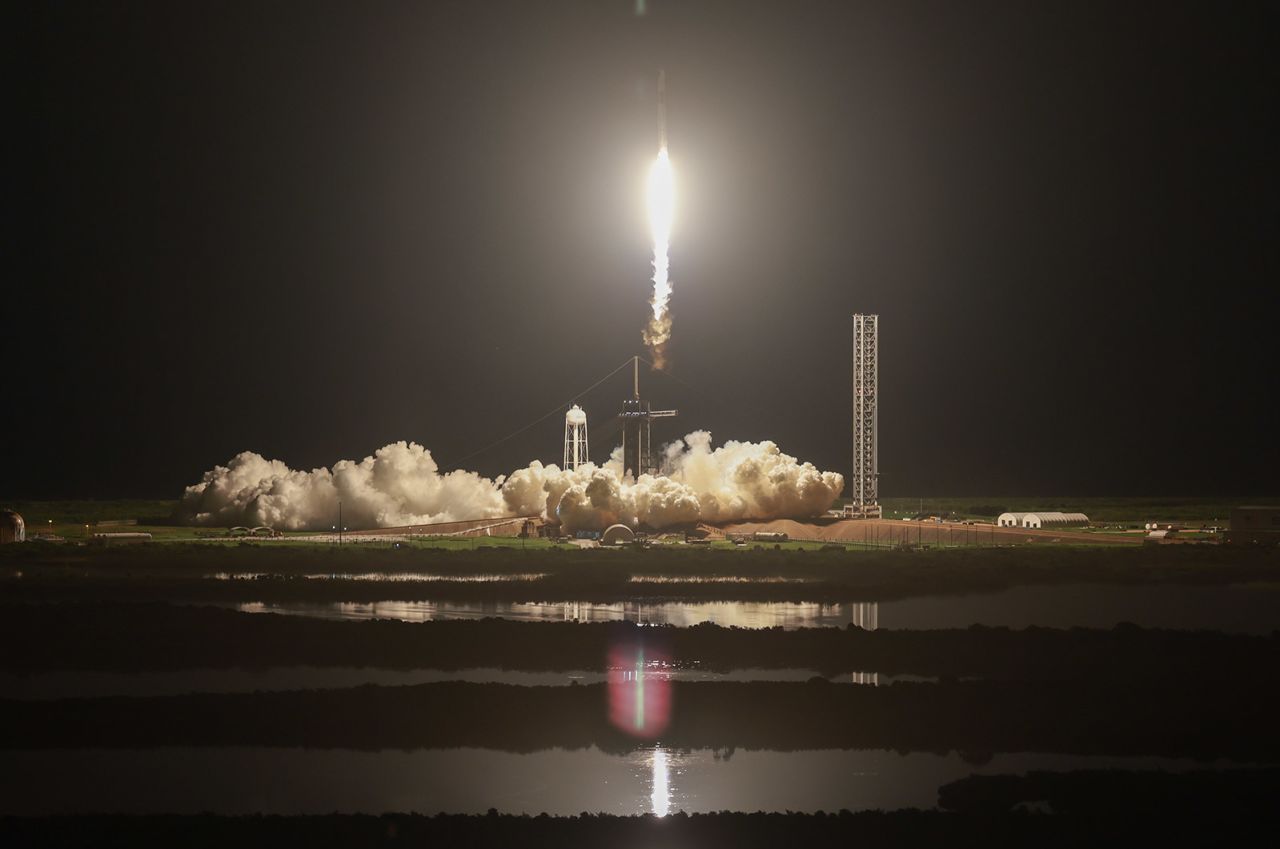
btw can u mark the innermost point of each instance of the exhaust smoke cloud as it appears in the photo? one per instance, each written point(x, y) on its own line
point(401, 484)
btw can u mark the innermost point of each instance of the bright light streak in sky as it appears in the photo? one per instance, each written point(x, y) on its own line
point(662, 203)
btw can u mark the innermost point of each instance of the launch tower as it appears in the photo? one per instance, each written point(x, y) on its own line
point(637, 453)
point(866, 388)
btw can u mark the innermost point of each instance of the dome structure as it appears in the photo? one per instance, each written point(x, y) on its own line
point(12, 528)
point(617, 535)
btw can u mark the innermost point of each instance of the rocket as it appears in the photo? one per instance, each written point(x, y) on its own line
point(662, 109)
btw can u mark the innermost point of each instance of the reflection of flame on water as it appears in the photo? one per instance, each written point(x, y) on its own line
point(639, 697)
point(866, 615)
point(661, 795)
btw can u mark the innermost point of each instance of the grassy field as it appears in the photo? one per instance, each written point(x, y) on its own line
point(271, 572)
point(1107, 509)
point(79, 512)
point(68, 518)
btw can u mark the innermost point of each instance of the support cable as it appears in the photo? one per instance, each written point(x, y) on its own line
point(559, 408)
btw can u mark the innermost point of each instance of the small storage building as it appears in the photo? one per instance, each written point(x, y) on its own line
point(1055, 520)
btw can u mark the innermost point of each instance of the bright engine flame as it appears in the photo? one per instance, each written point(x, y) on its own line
point(662, 202)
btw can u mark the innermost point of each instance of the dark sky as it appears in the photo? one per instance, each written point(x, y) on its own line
point(309, 229)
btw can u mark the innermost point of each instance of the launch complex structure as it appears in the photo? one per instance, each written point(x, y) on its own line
point(636, 418)
point(865, 502)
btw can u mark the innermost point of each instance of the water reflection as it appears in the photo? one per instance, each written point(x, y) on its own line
point(1232, 609)
point(789, 615)
point(866, 615)
point(660, 798)
point(245, 780)
point(379, 577)
point(81, 684)
point(719, 579)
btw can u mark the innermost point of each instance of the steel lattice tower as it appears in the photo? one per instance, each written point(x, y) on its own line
point(866, 386)
point(637, 456)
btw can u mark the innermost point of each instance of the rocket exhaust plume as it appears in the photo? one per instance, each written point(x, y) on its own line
point(401, 484)
point(661, 200)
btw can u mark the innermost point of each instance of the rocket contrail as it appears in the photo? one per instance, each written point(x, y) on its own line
point(661, 210)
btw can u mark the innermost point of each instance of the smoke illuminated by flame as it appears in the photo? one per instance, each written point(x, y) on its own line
point(662, 197)
point(401, 484)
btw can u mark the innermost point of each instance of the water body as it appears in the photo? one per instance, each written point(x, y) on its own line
point(483, 578)
point(384, 577)
point(74, 684)
point(241, 780)
point(1232, 609)
point(742, 614)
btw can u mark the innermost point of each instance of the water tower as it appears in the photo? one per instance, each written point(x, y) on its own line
point(575, 438)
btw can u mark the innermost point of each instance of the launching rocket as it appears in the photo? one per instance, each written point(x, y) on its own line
point(662, 109)
point(661, 190)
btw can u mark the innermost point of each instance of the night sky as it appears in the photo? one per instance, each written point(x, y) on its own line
point(309, 229)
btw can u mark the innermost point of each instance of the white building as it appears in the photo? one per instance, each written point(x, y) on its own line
point(1054, 520)
point(1042, 520)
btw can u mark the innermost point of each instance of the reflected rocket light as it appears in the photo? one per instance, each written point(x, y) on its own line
point(639, 694)
point(661, 796)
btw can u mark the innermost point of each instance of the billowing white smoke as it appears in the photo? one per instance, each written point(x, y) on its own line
point(739, 480)
point(402, 485)
point(399, 485)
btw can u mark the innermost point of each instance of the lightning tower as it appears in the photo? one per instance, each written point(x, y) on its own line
point(866, 388)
